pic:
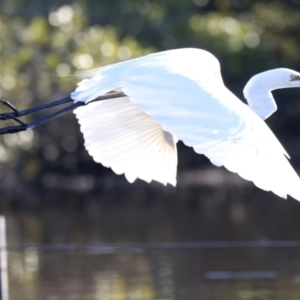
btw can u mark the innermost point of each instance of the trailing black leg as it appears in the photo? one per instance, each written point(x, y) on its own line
point(15, 114)
point(7, 103)
point(20, 113)
point(24, 126)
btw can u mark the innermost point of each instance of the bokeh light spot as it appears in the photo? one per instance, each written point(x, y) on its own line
point(3, 154)
point(83, 61)
point(252, 39)
point(124, 53)
point(65, 14)
point(8, 82)
point(107, 49)
point(81, 38)
point(230, 25)
point(62, 16)
point(51, 152)
point(63, 70)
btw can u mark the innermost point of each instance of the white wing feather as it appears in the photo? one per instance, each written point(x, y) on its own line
point(121, 136)
point(182, 90)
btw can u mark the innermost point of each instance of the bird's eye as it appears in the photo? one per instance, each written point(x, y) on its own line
point(295, 77)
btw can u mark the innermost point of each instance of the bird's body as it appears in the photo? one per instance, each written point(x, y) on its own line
point(180, 95)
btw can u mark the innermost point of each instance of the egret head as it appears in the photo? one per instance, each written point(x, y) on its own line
point(258, 89)
point(295, 78)
point(287, 78)
point(271, 80)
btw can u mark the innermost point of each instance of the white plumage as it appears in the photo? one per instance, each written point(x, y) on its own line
point(179, 94)
point(123, 137)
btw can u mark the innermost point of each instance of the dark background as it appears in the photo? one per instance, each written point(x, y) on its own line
point(43, 42)
point(51, 191)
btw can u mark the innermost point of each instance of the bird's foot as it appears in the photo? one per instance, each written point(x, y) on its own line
point(7, 103)
point(11, 115)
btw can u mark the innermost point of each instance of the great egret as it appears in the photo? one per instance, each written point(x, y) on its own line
point(179, 95)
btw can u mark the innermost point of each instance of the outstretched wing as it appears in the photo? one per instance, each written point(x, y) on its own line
point(182, 90)
point(124, 138)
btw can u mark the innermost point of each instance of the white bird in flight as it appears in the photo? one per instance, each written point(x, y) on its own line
point(180, 95)
point(156, 100)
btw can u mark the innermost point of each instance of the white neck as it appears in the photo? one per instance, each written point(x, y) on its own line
point(262, 103)
point(258, 91)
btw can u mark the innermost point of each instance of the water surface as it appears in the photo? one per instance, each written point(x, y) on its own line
point(159, 274)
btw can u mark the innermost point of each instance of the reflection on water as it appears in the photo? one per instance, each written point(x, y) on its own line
point(109, 274)
point(172, 274)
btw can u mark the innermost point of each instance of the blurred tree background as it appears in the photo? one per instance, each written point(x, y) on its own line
point(42, 43)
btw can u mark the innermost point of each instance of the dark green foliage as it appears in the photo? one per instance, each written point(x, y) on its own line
point(40, 39)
